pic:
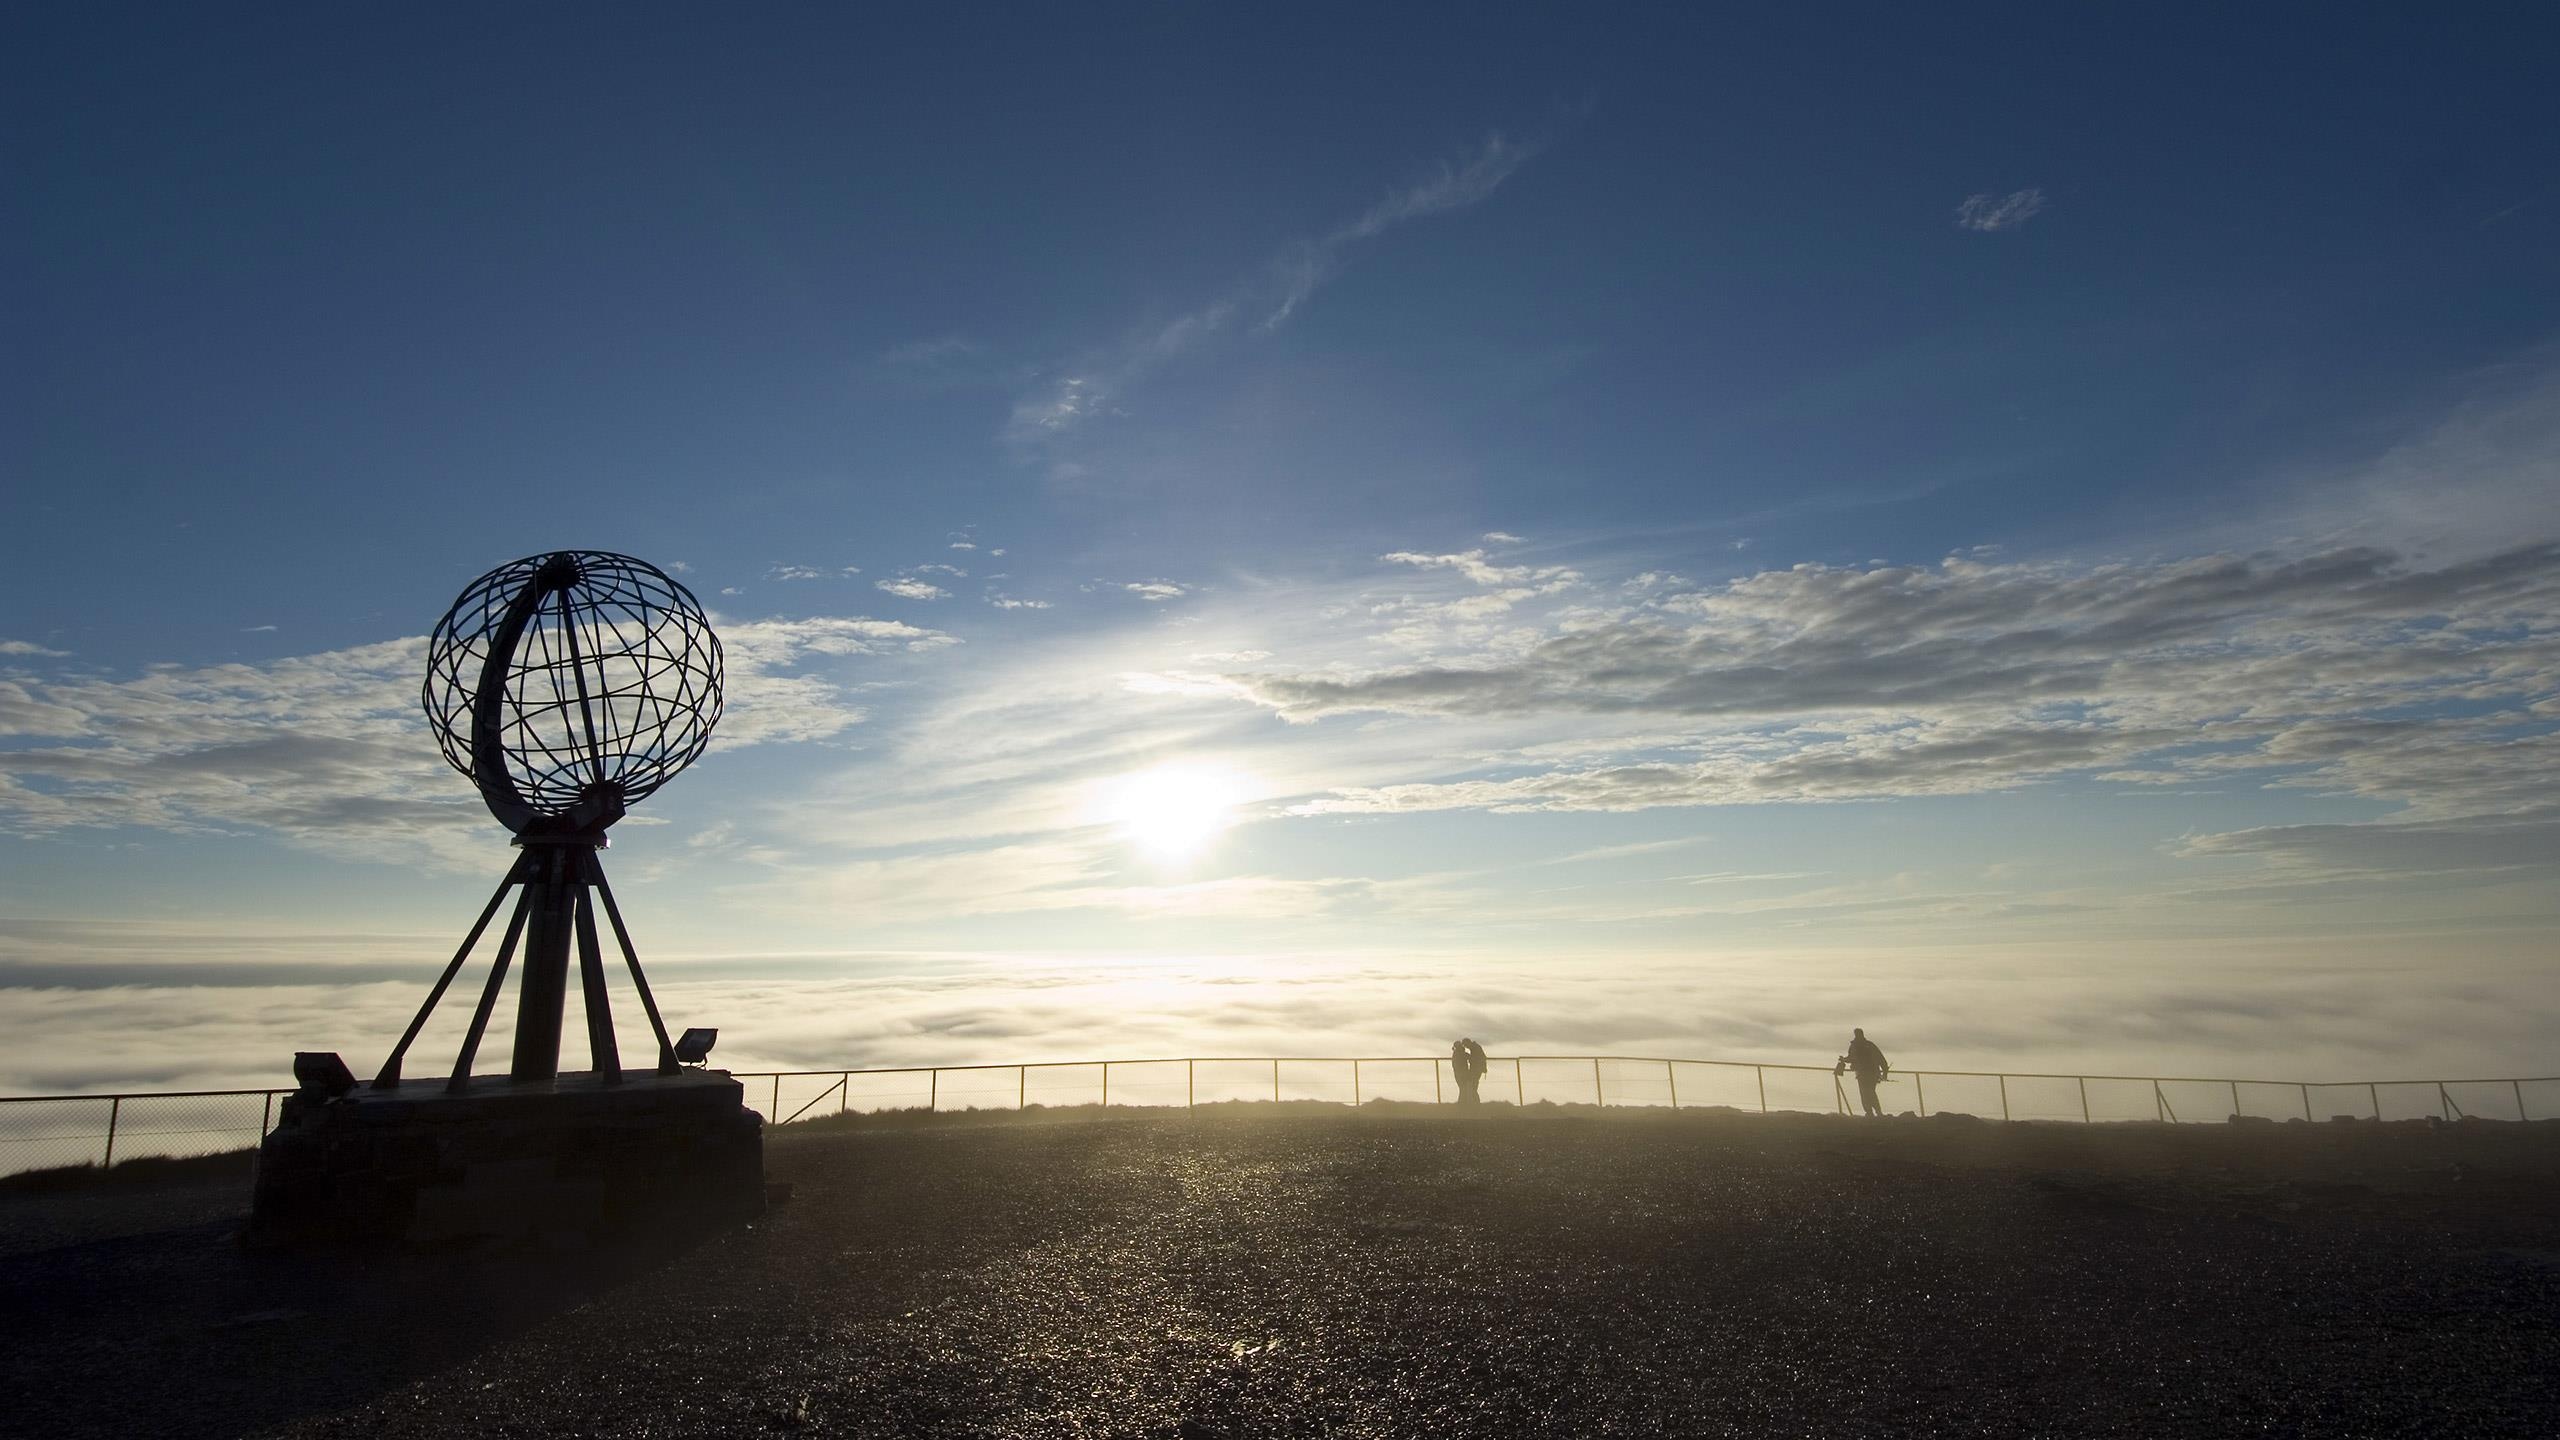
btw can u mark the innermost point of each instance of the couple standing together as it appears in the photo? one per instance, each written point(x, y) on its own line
point(1467, 1062)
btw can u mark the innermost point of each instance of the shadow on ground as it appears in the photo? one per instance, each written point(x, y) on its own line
point(134, 1311)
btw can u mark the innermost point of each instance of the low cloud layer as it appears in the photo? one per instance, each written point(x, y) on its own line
point(2277, 1016)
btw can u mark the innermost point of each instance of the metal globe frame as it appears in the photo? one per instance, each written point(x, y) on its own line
point(569, 686)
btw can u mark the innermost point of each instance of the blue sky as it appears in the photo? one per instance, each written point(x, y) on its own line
point(1682, 533)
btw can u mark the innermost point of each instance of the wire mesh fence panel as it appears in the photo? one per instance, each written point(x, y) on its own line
point(998, 1089)
point(798, 1097)
point(48, 1134)
point(2333, 1102)
point(2261, 1100)
point(2119, 1100)
point(2540, 1099)
point(1149, 1082)
point(1316, 1080)
point(1216, 1082)
point(2482, 1099)
point(2190, 1101)
point(2404, 1100)
point(1635, 1082)
point(1790, 1088)
point(174, 1126)
point(786, 1099)
point(2043, 1097)
point(1078, 1084)
point(1704, 1084)
point(1419, 1082)
point(1555, 1082)
point(1977, 1095)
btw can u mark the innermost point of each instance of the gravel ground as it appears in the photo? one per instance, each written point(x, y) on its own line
point(1252, 1271)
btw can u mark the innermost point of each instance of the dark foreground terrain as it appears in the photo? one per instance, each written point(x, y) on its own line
point(1253, 1271)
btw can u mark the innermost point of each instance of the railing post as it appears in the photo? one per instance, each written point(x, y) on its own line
point(933, 1091)
point(2159, 1103)
point(1275, 1079)
point(1355, 1083)
point(1519, 1085)
point(1762, 1076)
point(1672, 1075)
point(2306, 1100)
point(1599, 1096)
point(115, 1108)
point(1106, 1084)
point(2445, 1097)
point(267, 1112)
point(1021, 1087)
point(1920, 1094)
point(2235, 1099)
point(2519, 1086)
point(1437, 1098)
point(777, 1097)
point(2373, 1092)
point(2004, 1098)
point(1190, 1084)
point(844, 1092)
point(2084, 1098)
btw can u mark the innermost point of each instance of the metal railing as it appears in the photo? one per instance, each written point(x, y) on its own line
point(48, 1131)
point(1621, 1080)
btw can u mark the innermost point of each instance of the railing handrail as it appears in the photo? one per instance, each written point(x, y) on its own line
point(2446, 1106)
point(1408, 1059)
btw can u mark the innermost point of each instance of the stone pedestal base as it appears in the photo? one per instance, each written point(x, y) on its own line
point(569, 1161)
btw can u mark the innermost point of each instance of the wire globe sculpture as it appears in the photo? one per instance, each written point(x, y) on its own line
point(571, 684)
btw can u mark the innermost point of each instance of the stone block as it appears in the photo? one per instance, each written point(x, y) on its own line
point(574, 1160)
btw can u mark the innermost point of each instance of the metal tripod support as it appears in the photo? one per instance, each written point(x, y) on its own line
point(557, 879)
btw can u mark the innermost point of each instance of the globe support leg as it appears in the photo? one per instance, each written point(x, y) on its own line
point(558, 889)
point(666, 1048)
point(604, 1057)
point(541, 1001)
point(489, 993)
point(388, 1077)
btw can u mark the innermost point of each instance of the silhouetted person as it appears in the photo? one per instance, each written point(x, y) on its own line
point(1868, 1063)
point(1466, 1061)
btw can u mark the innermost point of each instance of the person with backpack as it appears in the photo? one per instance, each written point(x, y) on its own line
point(1869, 1064)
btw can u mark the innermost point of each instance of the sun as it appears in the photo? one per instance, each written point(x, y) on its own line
point(1173, 811)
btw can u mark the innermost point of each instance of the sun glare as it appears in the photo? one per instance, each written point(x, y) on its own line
point(1173, 812)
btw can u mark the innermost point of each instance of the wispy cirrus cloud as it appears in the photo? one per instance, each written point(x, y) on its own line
point(2354, 672)
point(1091, 385)
point(1989, 213)
point(907, 587)
point(1468, 180)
